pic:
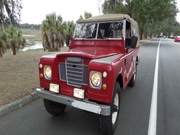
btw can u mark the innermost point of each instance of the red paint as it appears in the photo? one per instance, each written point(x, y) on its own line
point(88, 50)
point(177, 38)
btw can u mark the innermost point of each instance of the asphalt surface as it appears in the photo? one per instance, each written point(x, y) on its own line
point(135, 103)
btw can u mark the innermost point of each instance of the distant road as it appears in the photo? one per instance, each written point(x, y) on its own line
point(135, 103)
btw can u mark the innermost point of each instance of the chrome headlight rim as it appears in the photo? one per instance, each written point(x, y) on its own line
point(47, 72)
point(95, 77)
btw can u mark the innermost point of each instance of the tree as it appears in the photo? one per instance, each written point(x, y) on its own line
point(3, 41)
point(15, 41)
point(69, 31)
point(86, 15)
point(30, 26)
point(10, 12)
point(69, 28)
point(52, 29)
point(80, 17)
point(147, 12)
point(109, 6)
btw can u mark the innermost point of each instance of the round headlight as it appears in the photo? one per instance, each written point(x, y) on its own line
point(96, 79)
point(47, 72)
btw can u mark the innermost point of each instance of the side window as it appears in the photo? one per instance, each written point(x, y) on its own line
point(102, 32)
point(128, 34)
point(115, 29)
point(131, 35)
point(128, 30)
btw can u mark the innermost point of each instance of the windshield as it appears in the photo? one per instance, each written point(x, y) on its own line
point(99, 30)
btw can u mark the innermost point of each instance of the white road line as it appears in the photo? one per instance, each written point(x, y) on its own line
point(153, 110)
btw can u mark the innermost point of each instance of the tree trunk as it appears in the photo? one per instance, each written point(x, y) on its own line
point(14, 49)
point(141, 36)
point(145, 35)
point(1, 54)
point(141, 33)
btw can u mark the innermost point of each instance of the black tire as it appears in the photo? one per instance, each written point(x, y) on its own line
point(108, 124)
point(54, 108)
point(133, 79)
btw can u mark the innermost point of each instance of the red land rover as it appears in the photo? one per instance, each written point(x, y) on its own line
point(102, 60)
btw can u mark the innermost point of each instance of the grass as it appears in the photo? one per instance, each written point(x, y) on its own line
point(19, 75)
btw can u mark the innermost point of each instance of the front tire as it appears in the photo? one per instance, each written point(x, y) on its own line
point(108, 124)
point(54, 108)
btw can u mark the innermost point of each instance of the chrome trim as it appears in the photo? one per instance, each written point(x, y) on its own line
point(44, 73)
point(85, 104)
point(74, 67)
point(49, 56)
point(90, 80)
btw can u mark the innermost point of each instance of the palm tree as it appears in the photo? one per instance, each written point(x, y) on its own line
point(80, 17)
point(69, 28)
point(52, 30)
point(15, 41)
point(3, 41)
point(87, 15)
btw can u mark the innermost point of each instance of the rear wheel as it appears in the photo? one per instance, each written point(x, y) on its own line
point(108, 124)
point(54, 108)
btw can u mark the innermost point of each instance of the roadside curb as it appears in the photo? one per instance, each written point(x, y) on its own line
point(17, 104)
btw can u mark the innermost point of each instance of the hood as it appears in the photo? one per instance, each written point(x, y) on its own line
point(91, 52)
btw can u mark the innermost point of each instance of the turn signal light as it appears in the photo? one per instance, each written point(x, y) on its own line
point(41, 75)
point(104, 74)
point(40, 66)
point(104, 86)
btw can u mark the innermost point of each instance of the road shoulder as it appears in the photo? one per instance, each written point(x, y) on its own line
point(17, 104)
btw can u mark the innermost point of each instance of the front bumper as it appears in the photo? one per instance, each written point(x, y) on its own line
point(80, 104)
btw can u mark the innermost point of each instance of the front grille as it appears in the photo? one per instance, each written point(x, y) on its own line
point(74, 72)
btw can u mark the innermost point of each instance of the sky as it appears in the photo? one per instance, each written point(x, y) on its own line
point(35, 11)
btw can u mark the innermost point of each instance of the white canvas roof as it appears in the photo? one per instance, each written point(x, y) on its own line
point(108, 18)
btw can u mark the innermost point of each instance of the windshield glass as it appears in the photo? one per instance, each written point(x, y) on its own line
point(85, 30)
point(99, 30)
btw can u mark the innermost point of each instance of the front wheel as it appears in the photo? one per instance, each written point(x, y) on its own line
point(54, 108)
point(108, 124)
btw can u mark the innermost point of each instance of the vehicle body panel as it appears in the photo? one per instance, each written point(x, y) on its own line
point(112, 58)
point(177, 39)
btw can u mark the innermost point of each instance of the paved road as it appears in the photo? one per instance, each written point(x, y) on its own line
point(135, 103)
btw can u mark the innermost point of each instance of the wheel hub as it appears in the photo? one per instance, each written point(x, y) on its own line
point(115, 108)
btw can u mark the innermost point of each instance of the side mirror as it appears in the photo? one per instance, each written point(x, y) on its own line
point(67, 40)
point(133, 41)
